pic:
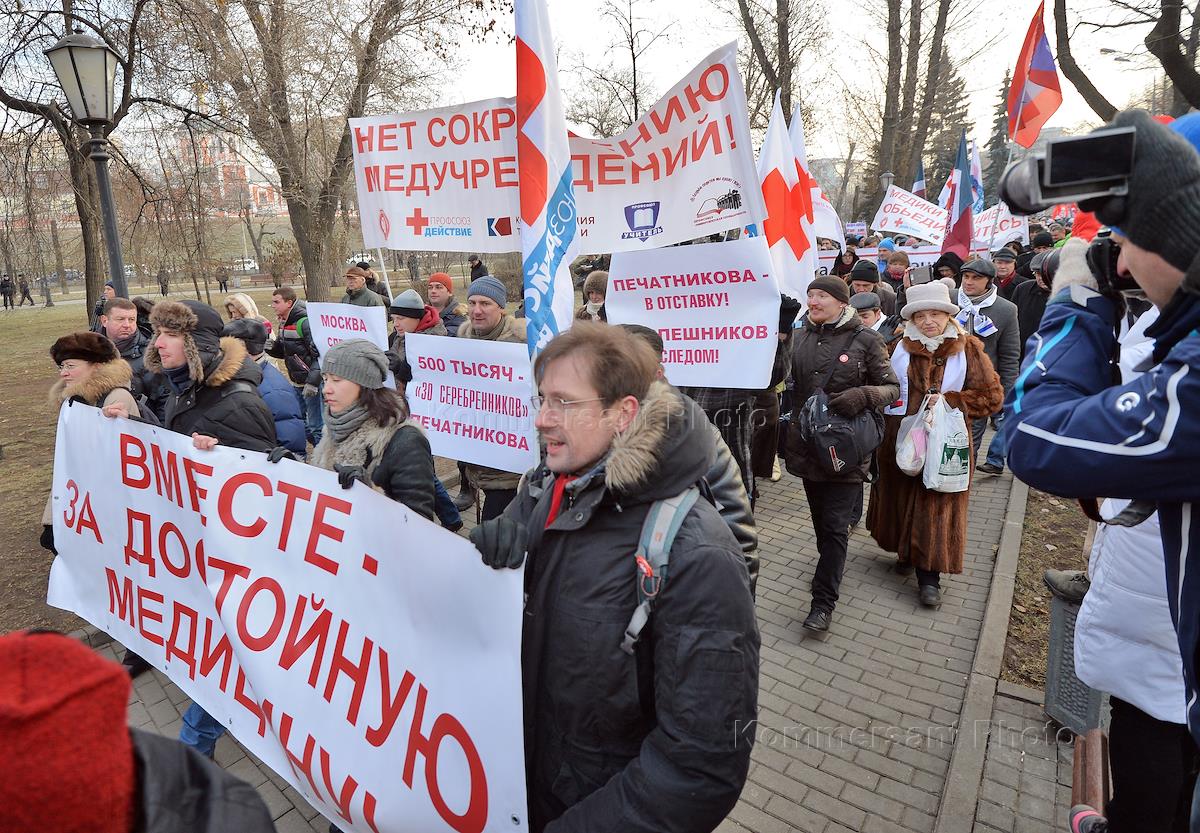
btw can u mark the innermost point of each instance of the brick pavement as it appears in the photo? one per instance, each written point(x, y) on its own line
point(1026, 784)
point(856, 727)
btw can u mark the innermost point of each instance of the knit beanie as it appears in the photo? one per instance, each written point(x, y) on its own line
point(489, 287)
point(443, 279)
point(1161, 212)
point(358, 360)
point(63, 729)
point(250, 331)
point(409, 304)
point(834, 286)
point(864, 270)
point(1043, 239)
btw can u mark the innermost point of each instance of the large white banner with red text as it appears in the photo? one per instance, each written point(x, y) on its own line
point(473, 400)
point(902, 212)
point(446, 179)
point(716, 307)
point(359, 650)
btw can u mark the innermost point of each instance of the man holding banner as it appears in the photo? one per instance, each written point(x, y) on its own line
point(626, 729)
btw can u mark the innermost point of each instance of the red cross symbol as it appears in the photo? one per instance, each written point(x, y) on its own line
point(418, 221)
point(784, 208)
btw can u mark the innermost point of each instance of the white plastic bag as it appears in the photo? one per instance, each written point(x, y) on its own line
point(912, 440)
point(948, 460)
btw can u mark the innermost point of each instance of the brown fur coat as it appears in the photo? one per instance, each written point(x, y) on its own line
point(929, 529)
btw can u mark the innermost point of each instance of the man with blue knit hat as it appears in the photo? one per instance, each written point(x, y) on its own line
point(1076, 434)
point(489, 320)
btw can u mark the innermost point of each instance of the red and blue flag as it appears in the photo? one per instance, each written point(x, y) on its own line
point(1035, 92)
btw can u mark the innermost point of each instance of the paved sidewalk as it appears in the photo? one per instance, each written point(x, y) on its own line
point(856, 728)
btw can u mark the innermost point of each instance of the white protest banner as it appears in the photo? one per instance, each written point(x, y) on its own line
point(715, 305)
point(905, 213)
point(997, 226)
point(442, 180)
point(332, 323)
point(859, 229)
point(359, 650)
point(445, 180)
point(472, 399)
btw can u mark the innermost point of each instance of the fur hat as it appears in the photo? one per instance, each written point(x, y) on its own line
point(596, 282)
point(932, 295)
point(88, 347)
point(443, 279)
point(832, 286)
point(199, 324)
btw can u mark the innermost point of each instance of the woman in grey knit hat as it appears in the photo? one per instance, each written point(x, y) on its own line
point(368, 435)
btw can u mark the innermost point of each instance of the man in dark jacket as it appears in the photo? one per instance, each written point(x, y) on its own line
point(993, 320)
point(274, 389)
point(1077, 435)
point(357, 292)
point(441, 298)
point(864, 277)
point(118, 321)
point(293, 342)
point(23, 286)
point(656, 737)
point(93, 772)
point(214, 400)
point(478, 267)
point(7, 289)
point(373, 283)
point(106, 294)
point(1031, 296)
point(1004, 261)
point(833, 351)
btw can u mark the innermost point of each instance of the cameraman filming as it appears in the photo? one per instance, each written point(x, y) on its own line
point(1075, 433)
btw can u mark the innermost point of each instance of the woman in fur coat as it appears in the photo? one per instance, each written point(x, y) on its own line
point(928, 530)
point(367, 435)
point(92, 371)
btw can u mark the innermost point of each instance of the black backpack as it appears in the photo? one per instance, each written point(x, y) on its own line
point(839, 442)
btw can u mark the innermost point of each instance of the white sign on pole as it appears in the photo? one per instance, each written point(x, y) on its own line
point(359, 650)
point(332, 323)
point(446, 179)
point(472, 399)
point(716, 307)
point(905, 213)
point(997, 226)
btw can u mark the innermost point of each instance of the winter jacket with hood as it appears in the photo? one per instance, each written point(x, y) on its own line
point(181, 791)
point(396, 458)
point(657, 742)
point(294, 344)
point(280, 397)
point(850, 356)
point(1073, 433)
point(224, 403)
point(512, 330)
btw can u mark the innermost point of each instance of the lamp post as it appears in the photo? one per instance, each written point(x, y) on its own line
point(886, 179)
point(86, 69)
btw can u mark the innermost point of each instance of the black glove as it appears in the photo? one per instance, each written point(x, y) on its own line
point(278, 453)
point(501, 541)
point(47, 539)
point(848, 403)
point(348, 474)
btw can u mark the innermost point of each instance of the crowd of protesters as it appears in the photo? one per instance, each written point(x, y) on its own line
point(873, 343)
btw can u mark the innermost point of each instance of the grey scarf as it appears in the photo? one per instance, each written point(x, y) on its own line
point(342, 425)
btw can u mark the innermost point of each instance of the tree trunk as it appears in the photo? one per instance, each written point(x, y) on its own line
point(932, 76)
point(841, 196)
point(783, 51)
point(58, 254)
point(908, 100)
point(1074, 73)
point(891, 103)
point(1164, 43)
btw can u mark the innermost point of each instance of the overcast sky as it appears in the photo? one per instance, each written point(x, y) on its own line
point(489, 70)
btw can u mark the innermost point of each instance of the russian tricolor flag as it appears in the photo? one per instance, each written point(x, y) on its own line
point(1035, 92)
point(549, 232)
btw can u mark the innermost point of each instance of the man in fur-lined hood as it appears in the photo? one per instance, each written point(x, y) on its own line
point(645, 740)
point(214, 382)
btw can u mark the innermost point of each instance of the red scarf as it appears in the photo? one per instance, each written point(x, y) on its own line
point(560, 483)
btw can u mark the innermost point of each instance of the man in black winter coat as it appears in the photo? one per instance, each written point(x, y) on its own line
point(214, 399)
point(1031, 296)
point(657, 738)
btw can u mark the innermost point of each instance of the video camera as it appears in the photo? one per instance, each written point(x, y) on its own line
point(1071, 169)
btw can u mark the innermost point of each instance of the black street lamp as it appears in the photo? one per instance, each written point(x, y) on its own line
point(86, 70)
